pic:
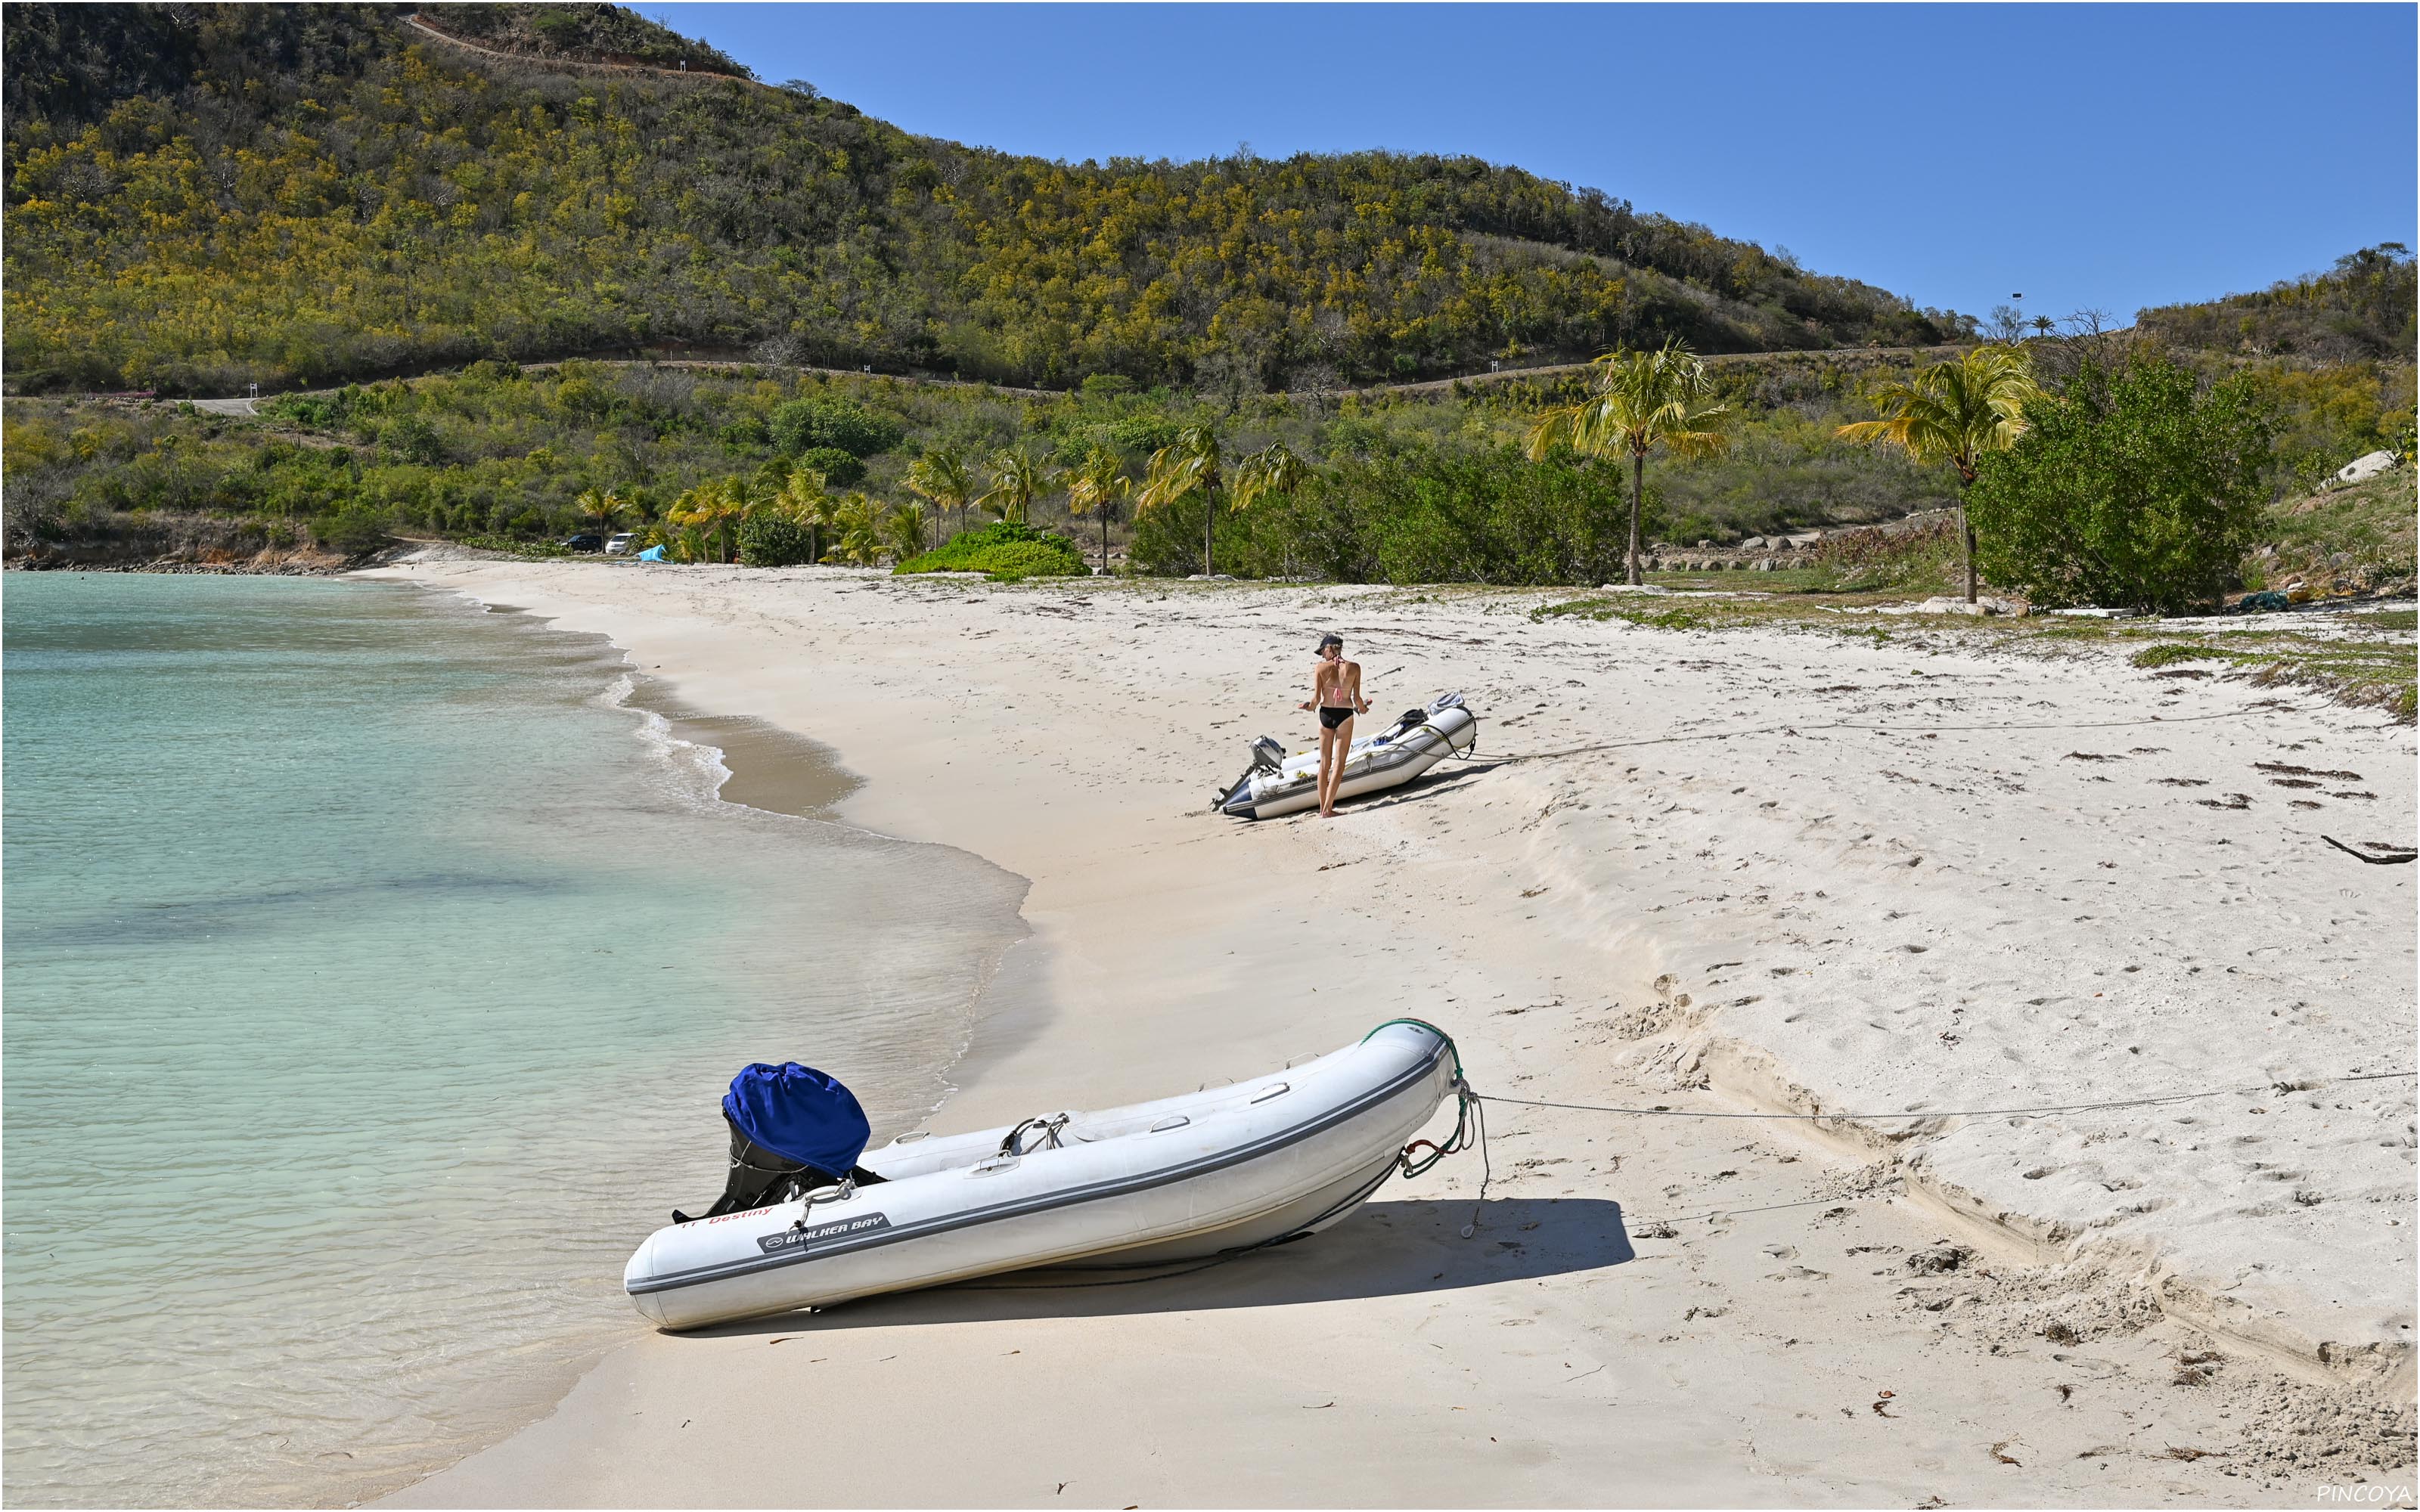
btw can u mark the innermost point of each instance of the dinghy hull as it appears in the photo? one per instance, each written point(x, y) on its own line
point(1182, 1179)
point(1388, 759)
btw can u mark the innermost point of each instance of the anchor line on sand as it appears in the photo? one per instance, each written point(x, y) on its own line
point(1894, 1183)
point(2279, 1088)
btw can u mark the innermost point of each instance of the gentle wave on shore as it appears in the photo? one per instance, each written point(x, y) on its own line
point(370, 989)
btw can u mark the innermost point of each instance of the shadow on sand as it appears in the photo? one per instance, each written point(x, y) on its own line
point(1439, 778)
point(1384, 1249)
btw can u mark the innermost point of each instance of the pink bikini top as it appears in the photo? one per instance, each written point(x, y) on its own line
point(1331, 692)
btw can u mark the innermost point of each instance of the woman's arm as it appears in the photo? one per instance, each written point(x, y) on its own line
point(1358, 702)
point(1312, 701)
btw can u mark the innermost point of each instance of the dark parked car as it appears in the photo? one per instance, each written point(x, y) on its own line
point(584, 543)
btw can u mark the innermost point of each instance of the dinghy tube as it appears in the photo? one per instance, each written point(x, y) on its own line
point(1183, 1178)
point(1277, 784)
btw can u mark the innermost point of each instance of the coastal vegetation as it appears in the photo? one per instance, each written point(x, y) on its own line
point(1203, 356)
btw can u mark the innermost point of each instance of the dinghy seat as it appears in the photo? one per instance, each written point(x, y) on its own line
point(794, 1130)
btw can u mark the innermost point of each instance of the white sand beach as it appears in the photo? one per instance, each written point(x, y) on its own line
point(1716, 873)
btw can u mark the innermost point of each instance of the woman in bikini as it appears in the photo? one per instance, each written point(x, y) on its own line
point(1336, 693)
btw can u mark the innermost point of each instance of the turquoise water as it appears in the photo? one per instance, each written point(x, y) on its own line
point(371, 976)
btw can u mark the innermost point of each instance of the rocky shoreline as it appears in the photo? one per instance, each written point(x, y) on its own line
point(301, 562)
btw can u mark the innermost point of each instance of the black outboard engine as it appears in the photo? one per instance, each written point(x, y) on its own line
point(1267, 756)
point(793, 1130)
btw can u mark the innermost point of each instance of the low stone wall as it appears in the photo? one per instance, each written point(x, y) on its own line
point(1771, 553)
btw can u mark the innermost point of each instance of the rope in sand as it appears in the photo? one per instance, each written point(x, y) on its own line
point(2282, 1089)
point(1645, 1226)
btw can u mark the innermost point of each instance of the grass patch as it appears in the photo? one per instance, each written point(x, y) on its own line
point(2374, 666)
point(1681, 617)
point(2171, 654)
point(2375, 677)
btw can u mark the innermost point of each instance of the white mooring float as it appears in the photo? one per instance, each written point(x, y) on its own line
point(1277, 784)
point(1210, 1173)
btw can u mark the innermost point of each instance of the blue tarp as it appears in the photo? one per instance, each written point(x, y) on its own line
point(653, 553)
point(801, 1114)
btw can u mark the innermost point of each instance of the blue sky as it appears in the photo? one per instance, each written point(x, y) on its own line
point(2107, 157)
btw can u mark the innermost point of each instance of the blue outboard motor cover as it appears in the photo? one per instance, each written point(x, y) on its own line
point(801, 1114)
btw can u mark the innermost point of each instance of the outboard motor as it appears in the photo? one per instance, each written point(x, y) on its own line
point(793, 1130)
point(1267, 756)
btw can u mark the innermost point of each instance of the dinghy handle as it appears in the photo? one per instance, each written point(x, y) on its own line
point(1049, 1128)
point(842, 1193)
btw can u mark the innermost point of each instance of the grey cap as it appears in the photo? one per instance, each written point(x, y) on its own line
point(1331, 638)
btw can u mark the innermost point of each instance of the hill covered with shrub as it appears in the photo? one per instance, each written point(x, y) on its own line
point(2361, 310)
point(200, 196)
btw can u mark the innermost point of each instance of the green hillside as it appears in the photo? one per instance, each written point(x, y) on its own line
point(199, 196)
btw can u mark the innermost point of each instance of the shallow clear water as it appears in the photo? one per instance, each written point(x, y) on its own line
point(371, 978)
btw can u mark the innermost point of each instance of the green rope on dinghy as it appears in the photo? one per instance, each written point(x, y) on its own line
point(1469, 1123)
point(1423, 1023)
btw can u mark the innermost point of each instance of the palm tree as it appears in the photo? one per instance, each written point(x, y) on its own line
point(857, 523)
point(1188, 465)
point(603, 505)
point(1018, 478)
point(1954, 412)
point(902, 531)
point(1272, 470)
point(941, 475)
point(1642, 400)
point(715, 504)
point(1095, 487)
point(803, 499)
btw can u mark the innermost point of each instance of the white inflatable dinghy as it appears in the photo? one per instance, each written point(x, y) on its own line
point(1224, 1169)
point(1277, 783)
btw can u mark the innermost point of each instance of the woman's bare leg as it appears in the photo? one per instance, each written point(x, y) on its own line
point(1331, 775)
point(1326, 744)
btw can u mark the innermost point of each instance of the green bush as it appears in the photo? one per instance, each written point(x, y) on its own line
point(2131, 490)
point(2168, 656)
point(839, 468)
point(1005, 550)
point(413, 438)
point(355, 528)
point(769, 540)
point(1417, 513)
point(836, 422)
